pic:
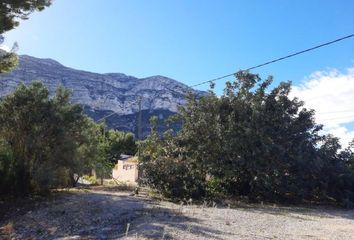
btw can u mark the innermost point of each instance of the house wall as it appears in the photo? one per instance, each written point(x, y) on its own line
point(125, 171)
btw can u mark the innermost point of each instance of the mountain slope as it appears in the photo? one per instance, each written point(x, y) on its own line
point(102, 94)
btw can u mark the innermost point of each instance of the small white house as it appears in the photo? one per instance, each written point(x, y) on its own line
point(126, 169)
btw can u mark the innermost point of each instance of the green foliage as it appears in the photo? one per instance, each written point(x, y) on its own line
point(118, 143)
point(13, 10)
point(165, 168)
point(111, 145)
point(90, 179)
point(8, 61)
point(103, 148)
point(46, 141)
point(251, 142)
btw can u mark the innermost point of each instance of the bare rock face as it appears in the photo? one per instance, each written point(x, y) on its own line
point(102, 94)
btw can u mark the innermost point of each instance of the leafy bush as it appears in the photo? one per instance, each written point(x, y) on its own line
point(43, 140)
point(91, 179)
point(251, 142)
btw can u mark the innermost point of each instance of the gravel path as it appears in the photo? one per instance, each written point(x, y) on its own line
point(94, 214)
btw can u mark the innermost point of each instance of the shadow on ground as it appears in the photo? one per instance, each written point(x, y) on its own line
point(90, 214)
point(310, 211)
point(158, 222)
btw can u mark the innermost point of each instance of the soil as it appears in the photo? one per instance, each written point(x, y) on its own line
point(105, 213)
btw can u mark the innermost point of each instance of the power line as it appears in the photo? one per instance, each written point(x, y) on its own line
point(337, 118)
point(277, 60)
point(111, 114)
point(346, 139)
point(99, 120)
point(262, 64)
point(341, 111)
point(320, 97)
point(139, 119)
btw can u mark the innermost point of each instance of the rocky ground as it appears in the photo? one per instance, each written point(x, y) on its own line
point(99, 213)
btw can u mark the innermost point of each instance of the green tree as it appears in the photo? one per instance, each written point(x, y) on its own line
point(40, 137)
point(118, 143)
point(11, 11)
point(165, 166)
point(254, 142)
point(8, 60)
point(102, 148)
point(48, 142)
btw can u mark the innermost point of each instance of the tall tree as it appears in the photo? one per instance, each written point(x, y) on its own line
point(11, 11)
point(252, 141)
point(8, 60)
point(118, 143)
point(40, 137)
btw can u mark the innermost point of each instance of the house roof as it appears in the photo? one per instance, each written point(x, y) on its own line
point(133, 159)
point(128, 158)
point(124, 157)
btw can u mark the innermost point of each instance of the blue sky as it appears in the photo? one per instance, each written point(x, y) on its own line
point(193, 41)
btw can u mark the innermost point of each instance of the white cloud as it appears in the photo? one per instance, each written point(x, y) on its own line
point(4, 47)
point(331, 94)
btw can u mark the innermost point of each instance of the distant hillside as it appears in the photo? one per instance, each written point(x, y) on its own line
point(102, 94)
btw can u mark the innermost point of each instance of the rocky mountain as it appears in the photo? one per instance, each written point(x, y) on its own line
point(103, 94)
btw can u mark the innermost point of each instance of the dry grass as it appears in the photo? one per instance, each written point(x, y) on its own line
point(7, 231)
point(106, 212)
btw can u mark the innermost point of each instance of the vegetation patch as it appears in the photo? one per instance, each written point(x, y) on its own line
point(253, 143)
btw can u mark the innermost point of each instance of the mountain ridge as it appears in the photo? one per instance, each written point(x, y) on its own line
point(107, 92)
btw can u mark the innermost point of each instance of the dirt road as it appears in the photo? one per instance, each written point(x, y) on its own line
point(101, 214)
